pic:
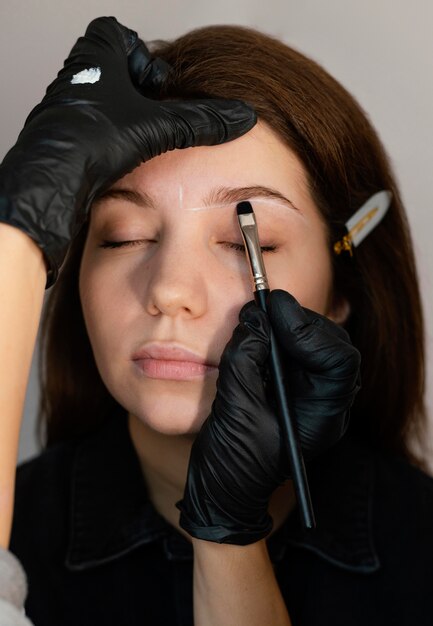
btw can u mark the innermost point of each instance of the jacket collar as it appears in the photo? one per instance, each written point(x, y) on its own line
point(111, 514)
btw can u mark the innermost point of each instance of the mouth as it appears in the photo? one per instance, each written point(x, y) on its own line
point(171, 361)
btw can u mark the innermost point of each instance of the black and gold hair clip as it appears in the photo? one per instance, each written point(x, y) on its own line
point(363, 221)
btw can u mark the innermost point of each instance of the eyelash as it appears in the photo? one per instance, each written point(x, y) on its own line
point(241, 248)
point(233, 246)
point(119, 244)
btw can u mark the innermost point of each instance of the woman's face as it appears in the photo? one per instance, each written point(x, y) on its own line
point(175, 293)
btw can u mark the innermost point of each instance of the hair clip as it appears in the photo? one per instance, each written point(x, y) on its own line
point(363, 221)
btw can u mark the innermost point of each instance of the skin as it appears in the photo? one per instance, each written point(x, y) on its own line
point(182, 283)
point(23, 275)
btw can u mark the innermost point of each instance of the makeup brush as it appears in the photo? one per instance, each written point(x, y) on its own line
point(248, 226)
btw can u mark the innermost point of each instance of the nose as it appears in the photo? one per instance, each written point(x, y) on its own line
point(177, 281)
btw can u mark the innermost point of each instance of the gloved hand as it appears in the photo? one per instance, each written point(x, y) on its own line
point(239, 456)
point(83, 136)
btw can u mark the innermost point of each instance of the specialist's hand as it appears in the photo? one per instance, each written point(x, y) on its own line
point(84, 136)
point(239, 457)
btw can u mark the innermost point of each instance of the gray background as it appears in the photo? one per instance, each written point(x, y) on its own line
point(381, 50)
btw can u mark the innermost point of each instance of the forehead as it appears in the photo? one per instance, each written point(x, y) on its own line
point(187, 176)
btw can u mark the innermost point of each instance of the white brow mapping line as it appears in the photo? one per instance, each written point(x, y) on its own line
point(180, 197)
point(266, 201)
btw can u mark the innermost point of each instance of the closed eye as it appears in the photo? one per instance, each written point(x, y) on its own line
point(121, 244)
point(227, 244)
point(241, 248)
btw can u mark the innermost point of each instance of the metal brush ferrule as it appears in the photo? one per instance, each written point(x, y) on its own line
point(250, 235)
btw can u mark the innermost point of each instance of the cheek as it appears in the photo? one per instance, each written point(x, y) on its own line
point(307, 275)
point(104, 308)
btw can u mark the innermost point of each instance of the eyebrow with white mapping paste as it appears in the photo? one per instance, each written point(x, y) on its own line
point(227, 197)
point(219, 198)
point(233, 204)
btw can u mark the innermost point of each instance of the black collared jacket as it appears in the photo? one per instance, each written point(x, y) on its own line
point(97, 553)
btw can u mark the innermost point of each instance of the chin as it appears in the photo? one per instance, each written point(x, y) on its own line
point(167, 424)
point(165, 406)
point(166, 427)
point(170, 413)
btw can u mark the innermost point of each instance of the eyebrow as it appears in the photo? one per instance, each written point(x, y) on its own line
point(226, 195)
point(219, 195)
point(140, 198)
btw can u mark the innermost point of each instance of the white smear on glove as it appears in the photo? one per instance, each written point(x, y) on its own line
point(91, 75)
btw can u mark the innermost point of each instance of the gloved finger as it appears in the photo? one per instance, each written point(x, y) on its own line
point(99, 54)
point(204, 122)
point(319, 434)
point(106, 34)
point(280, 299)
point(310, 338)
point(107, 49)
point(243, 362)
point(147, 73)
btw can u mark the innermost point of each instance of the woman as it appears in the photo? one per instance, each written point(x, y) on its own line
point(151, 294)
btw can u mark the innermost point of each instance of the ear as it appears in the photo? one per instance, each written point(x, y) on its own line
point(339, 310)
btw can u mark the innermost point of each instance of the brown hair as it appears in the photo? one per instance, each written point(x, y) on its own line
point(345, 161)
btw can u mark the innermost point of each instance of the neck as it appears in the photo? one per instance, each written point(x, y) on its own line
point(164, 463)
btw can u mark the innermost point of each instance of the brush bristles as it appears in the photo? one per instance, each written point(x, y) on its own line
point(243, 208)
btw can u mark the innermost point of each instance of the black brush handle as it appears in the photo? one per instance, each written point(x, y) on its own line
point(296, 461)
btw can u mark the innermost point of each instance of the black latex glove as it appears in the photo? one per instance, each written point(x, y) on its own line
point(239, 456)
point(83, 137)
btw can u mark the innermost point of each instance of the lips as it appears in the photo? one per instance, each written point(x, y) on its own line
point(171, 361)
